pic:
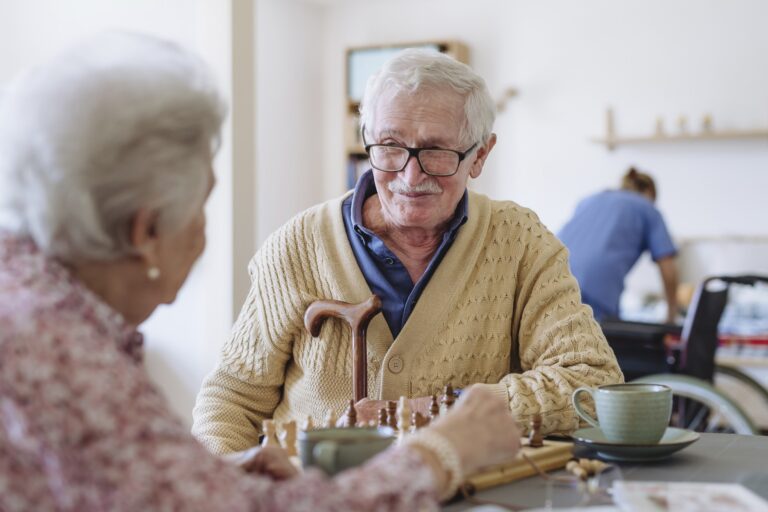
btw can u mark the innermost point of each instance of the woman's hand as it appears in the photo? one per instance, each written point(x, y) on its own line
point(481, 428)
point(268, 460)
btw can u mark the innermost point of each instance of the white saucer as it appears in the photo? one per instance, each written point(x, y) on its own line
point(674, 439)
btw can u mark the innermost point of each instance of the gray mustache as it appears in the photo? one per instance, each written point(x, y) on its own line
point(427, 187)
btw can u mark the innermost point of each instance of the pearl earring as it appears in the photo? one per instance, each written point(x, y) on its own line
point(153, 273)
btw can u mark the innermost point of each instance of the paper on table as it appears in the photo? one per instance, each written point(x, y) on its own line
point(600, 508)
point(494, 508)
point(634, 496)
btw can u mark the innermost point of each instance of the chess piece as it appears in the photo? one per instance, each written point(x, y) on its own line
point(434, 409)
point(535, 439)
point(350, 415)
point(383, 417)
point(575, 469)
point(682, 124)
point(584, 468)
point(330, 419)
point(289, 439)
point(358, 316)
point(392, 414)
point(403, 418)
point(308, 424)
point(659, 127)
point(270, 433)
point(706, 124)
point(418, 421)
point(448, 399)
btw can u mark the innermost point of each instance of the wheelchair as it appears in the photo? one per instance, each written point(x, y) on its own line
point(646, 353)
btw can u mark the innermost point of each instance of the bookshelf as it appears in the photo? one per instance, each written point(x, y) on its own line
point(361, 62)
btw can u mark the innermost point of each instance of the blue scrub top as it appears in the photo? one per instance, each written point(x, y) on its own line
point(608, 233)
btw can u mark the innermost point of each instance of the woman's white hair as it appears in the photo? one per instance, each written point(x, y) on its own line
point(120, 122)
point(417, 70)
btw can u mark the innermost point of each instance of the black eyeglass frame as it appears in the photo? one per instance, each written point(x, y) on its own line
point(414, 152)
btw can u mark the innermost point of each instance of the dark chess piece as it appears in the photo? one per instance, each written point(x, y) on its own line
point(434, 408)
point(418, 420)
point(535, 439)
point(392, 414)
point(350, 415)
point(383, 417)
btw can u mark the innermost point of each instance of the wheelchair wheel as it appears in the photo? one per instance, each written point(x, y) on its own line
point(701, 407)
point(751, 394)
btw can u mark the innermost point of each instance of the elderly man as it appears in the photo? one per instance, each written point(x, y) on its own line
point(475, 291)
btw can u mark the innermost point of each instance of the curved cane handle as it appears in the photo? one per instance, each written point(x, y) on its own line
point(358, 316)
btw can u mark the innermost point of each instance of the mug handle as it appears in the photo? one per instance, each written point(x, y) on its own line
point(581, 412)
point(324, 454)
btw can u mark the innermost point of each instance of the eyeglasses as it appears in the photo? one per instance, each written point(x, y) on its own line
point(435, 162)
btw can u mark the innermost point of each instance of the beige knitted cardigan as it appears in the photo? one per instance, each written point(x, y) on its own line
point(502, 309)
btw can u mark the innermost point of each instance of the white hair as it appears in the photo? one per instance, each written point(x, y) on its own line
point(120, 122)
point(415, 70)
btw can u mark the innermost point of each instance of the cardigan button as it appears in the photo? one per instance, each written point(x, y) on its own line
point(395, 364)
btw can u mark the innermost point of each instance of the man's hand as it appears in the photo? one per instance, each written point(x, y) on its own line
point(269, 461)
point(368, 410)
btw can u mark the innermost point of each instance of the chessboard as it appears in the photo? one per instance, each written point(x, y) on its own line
point(546, 455)
point(551, 455)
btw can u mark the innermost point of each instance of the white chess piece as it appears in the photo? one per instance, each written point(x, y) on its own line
point(270, 433)
point(403, 418)
point(289, 438)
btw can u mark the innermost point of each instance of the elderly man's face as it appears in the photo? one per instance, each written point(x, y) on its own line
point(428, 119)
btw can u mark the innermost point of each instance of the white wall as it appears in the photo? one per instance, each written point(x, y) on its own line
point(36, 29)
point(646, 59)
point(288, 113)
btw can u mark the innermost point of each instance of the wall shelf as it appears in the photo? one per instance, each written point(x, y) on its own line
point(612, 140)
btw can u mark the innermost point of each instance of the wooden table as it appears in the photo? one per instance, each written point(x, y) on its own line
point(713, 458)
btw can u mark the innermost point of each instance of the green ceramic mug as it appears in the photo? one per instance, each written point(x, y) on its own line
point(335, 449)
point(629, 413)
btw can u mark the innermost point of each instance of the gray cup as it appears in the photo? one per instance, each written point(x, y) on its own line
point(629, 413)
point(335, 449)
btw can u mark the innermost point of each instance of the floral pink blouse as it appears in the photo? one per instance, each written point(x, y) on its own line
point(83, 428)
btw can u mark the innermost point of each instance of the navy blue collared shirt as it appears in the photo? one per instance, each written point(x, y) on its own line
point(385, 274)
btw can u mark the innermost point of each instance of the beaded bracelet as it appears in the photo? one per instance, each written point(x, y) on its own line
point(446, 454)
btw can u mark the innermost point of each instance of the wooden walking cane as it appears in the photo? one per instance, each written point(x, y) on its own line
point(358, 316)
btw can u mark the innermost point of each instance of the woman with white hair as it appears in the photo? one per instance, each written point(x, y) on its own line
point(105, 162)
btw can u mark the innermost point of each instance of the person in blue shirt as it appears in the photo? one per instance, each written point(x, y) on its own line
point(608, 233)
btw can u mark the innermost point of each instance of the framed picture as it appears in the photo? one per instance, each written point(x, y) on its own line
point(363, 62)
